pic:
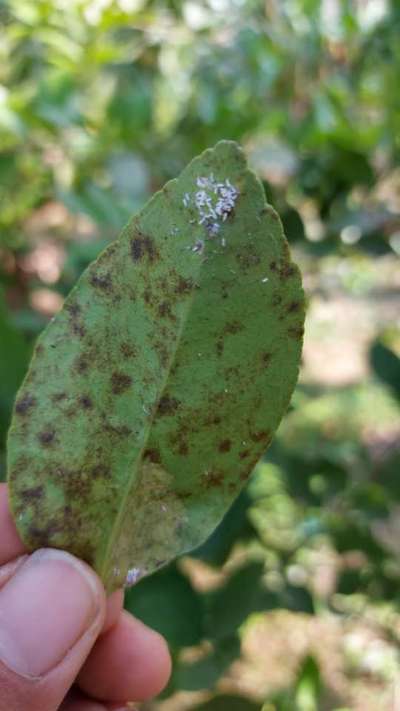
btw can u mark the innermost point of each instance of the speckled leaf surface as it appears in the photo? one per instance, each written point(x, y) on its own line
point(155, 390)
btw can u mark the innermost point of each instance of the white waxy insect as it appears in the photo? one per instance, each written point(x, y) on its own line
point(263, 281)
point(132, 576)
point(198, 247)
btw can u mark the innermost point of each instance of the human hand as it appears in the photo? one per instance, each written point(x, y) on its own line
point(63, 645)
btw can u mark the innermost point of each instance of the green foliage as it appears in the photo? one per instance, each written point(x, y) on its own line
point(100, 104)
point(112, 419)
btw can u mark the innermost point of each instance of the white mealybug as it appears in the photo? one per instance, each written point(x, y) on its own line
point(214, 202)
point(132, 577)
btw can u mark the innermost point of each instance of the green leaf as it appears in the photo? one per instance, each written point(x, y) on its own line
point(386, 365)
point(158, 386)
point(167, 602)
point(243, 594)
point(14, 358)
point(234, 527)
point(204, 673)
point(229, 703)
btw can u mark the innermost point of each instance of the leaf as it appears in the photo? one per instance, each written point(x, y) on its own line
point(229, 703)
point(234, 527)
point(158, 386)
point(231, 605)
point(14, 358)
point(205, 672)
point(180, 617)
point(386, 365)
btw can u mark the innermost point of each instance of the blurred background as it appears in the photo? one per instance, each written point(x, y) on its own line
point(292, 605)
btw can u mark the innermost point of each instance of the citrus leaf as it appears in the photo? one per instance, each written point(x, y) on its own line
point(158, 386)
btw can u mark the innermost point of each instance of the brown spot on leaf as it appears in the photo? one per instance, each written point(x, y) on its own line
point(46, 437)
point(220, 347)
point(35, 492)
point(100, 471)
point(296, 332)
point(165, 311)
point(153, 455)
point(128, 350)
point(167, 405)
point(58, 397)
point(102, 282)
point(293, 307)
point(260, 435)
point(82, 364)
point(143, 246)
point(120, 382)
point(244, 453)
point(184, 286)
point(233, 327)
point(213, 478)
point(266, 358)
point(86, 402)
point(76, 324)
point(24, 404)
point(225, 445)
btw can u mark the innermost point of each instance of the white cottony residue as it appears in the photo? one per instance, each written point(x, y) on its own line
point(132, 577)
point(164, 508)
point(263, 281)
point(214, 201)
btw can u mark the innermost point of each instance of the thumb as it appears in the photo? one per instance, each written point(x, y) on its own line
point(52, 608)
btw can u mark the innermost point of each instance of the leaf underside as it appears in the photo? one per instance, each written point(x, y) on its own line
point(158, 386)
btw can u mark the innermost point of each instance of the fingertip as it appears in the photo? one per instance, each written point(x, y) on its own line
point(131, 661)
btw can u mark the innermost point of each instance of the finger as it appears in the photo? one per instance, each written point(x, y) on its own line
point(78, 702)
point(131, 661)
point(75, 701)
point(11, 545)
point(51, 611)
point(115, 604)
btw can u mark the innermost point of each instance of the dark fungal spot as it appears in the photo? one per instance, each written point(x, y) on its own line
point(273, 266)
point(46, 437)
point(183, 449)
point(120, 382)
point(82, 364)
point(293, 307)
point(35, 492)
point(260, 435)
point(153, 455)
point(266, 358)
point(184, 286)
point(128, 350)
point(143, 246)
point(276, 300)
point(233, 327)
point(167, 405)
point(225, 445)
point(213, 478)
point(77, 327)
point(244, 453)
point(86, 402)
point(24, 404)
point(165, 311)
point(58, 397)
point(100, 471)
point(220, 347)
point(296, 332)
point(102, 282)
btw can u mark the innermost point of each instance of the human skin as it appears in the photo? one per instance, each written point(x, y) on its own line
point(63, 645)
